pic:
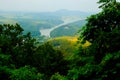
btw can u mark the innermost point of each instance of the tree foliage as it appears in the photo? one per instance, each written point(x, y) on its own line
point(101, 58)
point(21, 58)
point(105, 21)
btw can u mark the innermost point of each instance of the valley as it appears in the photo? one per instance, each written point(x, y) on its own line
point(43, 23)
point(59, 40)
point(46, 32)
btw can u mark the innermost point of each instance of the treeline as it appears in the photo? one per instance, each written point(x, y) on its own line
point(23, 58)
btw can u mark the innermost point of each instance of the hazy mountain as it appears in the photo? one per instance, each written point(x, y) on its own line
point(33, 22)
point(64, 12)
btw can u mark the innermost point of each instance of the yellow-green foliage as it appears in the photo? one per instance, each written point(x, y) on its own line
point(67, 44)
point(86, 44)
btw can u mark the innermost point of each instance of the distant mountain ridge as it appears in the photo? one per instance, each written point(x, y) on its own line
point(62, 12)
point(72, 13)
point(34, 21)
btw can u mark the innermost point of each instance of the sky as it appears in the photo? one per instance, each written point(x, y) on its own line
point(48, 5)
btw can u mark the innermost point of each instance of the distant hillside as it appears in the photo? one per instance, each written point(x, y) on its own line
point(68, 30)
point(64, 12)
point(33, 22)
point(30, 22)
point(67, 44)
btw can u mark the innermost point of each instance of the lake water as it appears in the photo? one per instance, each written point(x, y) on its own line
point(46, 32)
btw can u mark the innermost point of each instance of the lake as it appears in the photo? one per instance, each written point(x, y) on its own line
point(46, 32)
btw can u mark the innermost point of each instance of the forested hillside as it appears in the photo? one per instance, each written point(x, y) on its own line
point(68, 30)
point(30, 22)
point(94, 55)
point(35, 21)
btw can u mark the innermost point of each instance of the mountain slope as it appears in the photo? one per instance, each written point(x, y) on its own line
point(68, 30)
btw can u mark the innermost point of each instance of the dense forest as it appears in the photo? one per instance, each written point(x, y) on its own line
point(22, 57)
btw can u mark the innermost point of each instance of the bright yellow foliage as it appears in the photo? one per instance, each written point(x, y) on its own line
point(86, 44)
point(67, 44)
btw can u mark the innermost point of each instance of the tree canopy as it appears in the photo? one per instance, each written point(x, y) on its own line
point(102, 30)
point(22, 59)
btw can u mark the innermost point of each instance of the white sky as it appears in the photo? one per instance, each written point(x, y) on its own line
point(48, 5)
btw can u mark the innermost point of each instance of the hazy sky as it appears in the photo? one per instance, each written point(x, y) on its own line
point(48, 5)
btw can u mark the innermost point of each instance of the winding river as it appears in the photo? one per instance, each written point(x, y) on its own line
point(46, 32)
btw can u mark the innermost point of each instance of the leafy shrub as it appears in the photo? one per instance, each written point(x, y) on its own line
point(26, 73)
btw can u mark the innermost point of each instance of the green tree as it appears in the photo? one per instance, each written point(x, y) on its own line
point(49, 61)
point(100, 61)
point(26, 73)
point(105, 21)
point(103, 29)
point(107, 3)
point(18, 50)
point(14, 43)
point(57, 76)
